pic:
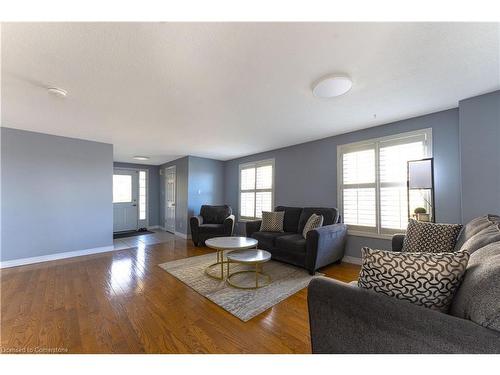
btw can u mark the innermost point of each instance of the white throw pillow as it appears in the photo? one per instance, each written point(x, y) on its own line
point(314, 221)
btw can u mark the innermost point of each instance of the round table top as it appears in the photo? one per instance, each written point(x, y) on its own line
point(249, 256)
point(231, 243)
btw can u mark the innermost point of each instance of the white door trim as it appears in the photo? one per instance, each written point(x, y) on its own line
point(165, 198)
point(146, 222)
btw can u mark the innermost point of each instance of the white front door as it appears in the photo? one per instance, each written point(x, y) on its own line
point(125, 194)
point(170, 199)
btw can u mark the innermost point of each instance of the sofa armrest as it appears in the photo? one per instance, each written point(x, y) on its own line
point(194, 223)
point(397, 241)
point(229, 225)
point(347, 319)
point(325, 245)
point(252, 227)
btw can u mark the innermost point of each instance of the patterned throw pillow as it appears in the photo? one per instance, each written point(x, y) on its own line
point(314, 221)
point(430, 237)
point(272, 221)
point(426, 279)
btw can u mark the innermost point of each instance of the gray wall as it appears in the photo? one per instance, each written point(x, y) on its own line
point(181, 194)
point(480, 155)
point(205, 184)
point(153, 189)
point(56, 194)
point(306, 174)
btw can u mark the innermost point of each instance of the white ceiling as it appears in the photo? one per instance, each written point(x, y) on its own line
point(224, 90)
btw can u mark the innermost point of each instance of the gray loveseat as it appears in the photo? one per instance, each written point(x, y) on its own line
point(347, 319)
point(322, 246)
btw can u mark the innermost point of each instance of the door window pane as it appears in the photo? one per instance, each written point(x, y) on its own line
point(122, 188)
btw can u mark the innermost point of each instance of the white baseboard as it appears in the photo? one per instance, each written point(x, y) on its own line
point(183, 235)
point(157, 227)
point(353, 260)
point(46, 258)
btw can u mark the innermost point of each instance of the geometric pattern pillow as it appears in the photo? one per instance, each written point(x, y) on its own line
point(425, 279)
point(272, 221)
point(430, 237)
point(314, 221)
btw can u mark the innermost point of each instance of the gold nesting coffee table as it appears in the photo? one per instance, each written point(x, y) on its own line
point(222, 244)
point(254, 257)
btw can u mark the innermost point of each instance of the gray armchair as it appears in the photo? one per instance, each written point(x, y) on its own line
point(213, 221)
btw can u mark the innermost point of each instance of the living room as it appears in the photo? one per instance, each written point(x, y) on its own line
point(250, 188)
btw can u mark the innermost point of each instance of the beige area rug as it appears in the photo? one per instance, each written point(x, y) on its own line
point(244, 304)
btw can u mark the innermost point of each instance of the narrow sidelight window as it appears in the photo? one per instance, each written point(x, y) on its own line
point(142, 195)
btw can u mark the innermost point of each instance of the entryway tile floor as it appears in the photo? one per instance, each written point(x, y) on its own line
point(159, 236)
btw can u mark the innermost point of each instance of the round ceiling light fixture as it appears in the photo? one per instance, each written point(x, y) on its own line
point(332, 86)
point(56, 91)
point(141, 157)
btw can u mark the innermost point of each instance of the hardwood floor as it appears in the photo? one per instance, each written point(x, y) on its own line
point(122, 302)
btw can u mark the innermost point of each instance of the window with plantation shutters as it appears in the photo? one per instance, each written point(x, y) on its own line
point(372, 178)
point(256, 189)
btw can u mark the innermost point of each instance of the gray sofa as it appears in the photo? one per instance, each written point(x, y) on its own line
point(322, 246)
point(347, 319)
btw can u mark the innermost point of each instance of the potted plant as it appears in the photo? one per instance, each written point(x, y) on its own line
point(421, 214)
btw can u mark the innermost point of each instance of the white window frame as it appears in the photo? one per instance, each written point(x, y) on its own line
point(377, 231)
point(255, 165)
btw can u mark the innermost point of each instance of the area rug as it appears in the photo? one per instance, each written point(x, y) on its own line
point(244, 304)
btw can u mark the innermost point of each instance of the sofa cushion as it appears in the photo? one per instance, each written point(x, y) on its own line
point(486, 236)
point(290, 257)
point(292, 242)
point(272, 221)
point(425, 279)
point(430, 237)
point(478, 298)
point(291, 220)
point(267, 239)
point(330, 216)
point(215, 214)
point(473, 227)
point(211, 228)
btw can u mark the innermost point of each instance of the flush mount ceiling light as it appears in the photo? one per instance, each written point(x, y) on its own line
point(56, 91)
point(141, 157)
point(331, 86)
